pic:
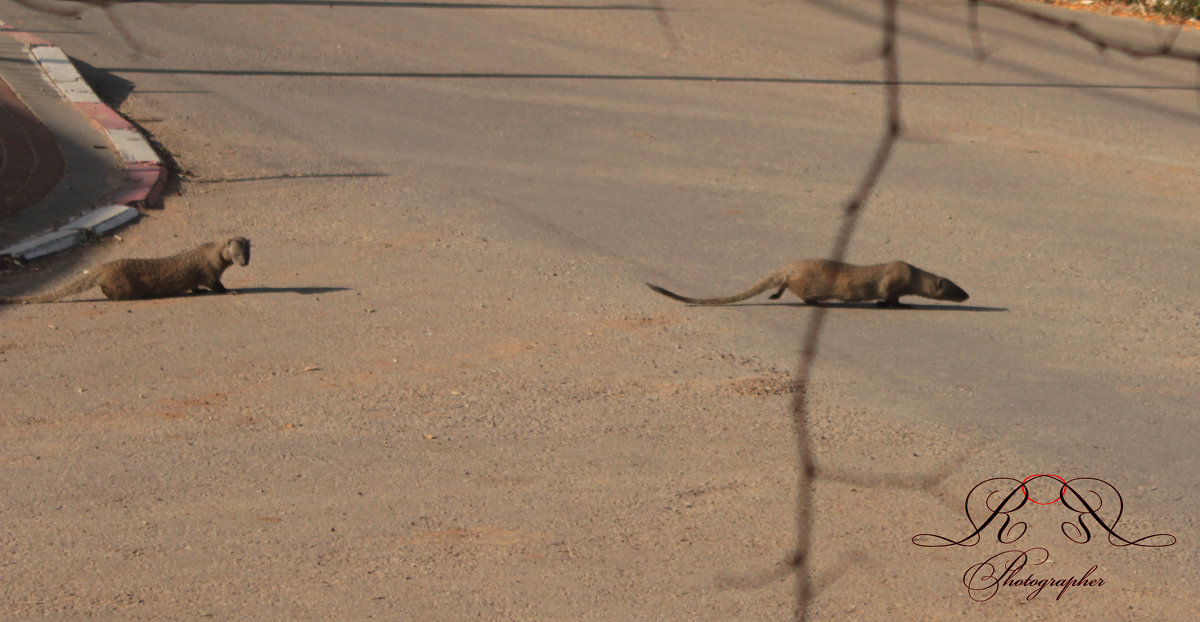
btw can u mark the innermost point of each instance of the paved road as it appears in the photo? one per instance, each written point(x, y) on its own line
point(444, 393)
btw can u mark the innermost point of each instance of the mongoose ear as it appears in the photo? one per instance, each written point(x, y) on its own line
point(940, 284)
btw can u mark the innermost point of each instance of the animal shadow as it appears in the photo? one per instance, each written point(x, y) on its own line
point(873, 306)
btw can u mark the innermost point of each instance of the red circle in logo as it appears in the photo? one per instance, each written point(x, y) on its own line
point(1060, 490)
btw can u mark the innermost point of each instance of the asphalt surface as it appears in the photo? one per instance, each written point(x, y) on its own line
point(443, 391)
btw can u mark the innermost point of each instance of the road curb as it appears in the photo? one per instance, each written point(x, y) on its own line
point(145, 174)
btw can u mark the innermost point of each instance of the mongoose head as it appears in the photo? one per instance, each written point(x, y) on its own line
point(237, 250)
point(943, 288)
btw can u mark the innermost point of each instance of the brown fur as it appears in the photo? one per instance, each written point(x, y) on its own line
point(133, 279)
point(816, 280)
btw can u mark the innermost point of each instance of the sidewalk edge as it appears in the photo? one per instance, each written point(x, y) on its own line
point(145, 173)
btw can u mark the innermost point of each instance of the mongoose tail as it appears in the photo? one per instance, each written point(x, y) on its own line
point(777, 279)
point(79, 285)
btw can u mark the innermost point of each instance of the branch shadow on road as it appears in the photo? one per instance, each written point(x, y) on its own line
point(369, 4)
point(1119, 92)
point(283, 176)
point(409, 5)
point(303, 291)
point(474, 75)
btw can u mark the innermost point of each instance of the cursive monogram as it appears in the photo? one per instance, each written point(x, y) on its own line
point(1084, 496)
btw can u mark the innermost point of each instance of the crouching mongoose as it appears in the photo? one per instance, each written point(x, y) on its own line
point(815, 280)
point(133, 279)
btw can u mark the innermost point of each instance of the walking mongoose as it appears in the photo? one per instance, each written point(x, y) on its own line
point(815, 280)
point(133, 279)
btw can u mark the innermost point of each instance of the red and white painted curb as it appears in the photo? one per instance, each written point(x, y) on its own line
point(145, 174)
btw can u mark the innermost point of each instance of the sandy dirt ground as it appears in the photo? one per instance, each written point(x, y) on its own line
point(443, 392)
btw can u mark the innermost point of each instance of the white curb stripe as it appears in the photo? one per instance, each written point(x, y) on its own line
point(132, 146)
point(62, 75)
point(103, 219)
point(45, 244)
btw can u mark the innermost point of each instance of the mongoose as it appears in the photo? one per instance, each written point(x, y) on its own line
point(133, 279)
point(815, 280)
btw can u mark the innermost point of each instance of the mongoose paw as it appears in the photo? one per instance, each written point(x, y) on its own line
point(892, 304)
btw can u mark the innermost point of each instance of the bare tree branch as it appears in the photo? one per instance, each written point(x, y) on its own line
point(798, 561)
point(664, 24)
point(1075, 27)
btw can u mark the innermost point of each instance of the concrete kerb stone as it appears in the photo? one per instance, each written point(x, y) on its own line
point(145, 174)
point(45, 244)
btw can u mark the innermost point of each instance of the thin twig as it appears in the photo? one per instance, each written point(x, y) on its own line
point(800, 558)
point(973, 29)
point(664, 24)
point(1075, 27)
point(1165, 49)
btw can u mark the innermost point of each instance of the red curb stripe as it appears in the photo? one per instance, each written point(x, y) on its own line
point(144, 181)
point(105, 117)
point(24, 37)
